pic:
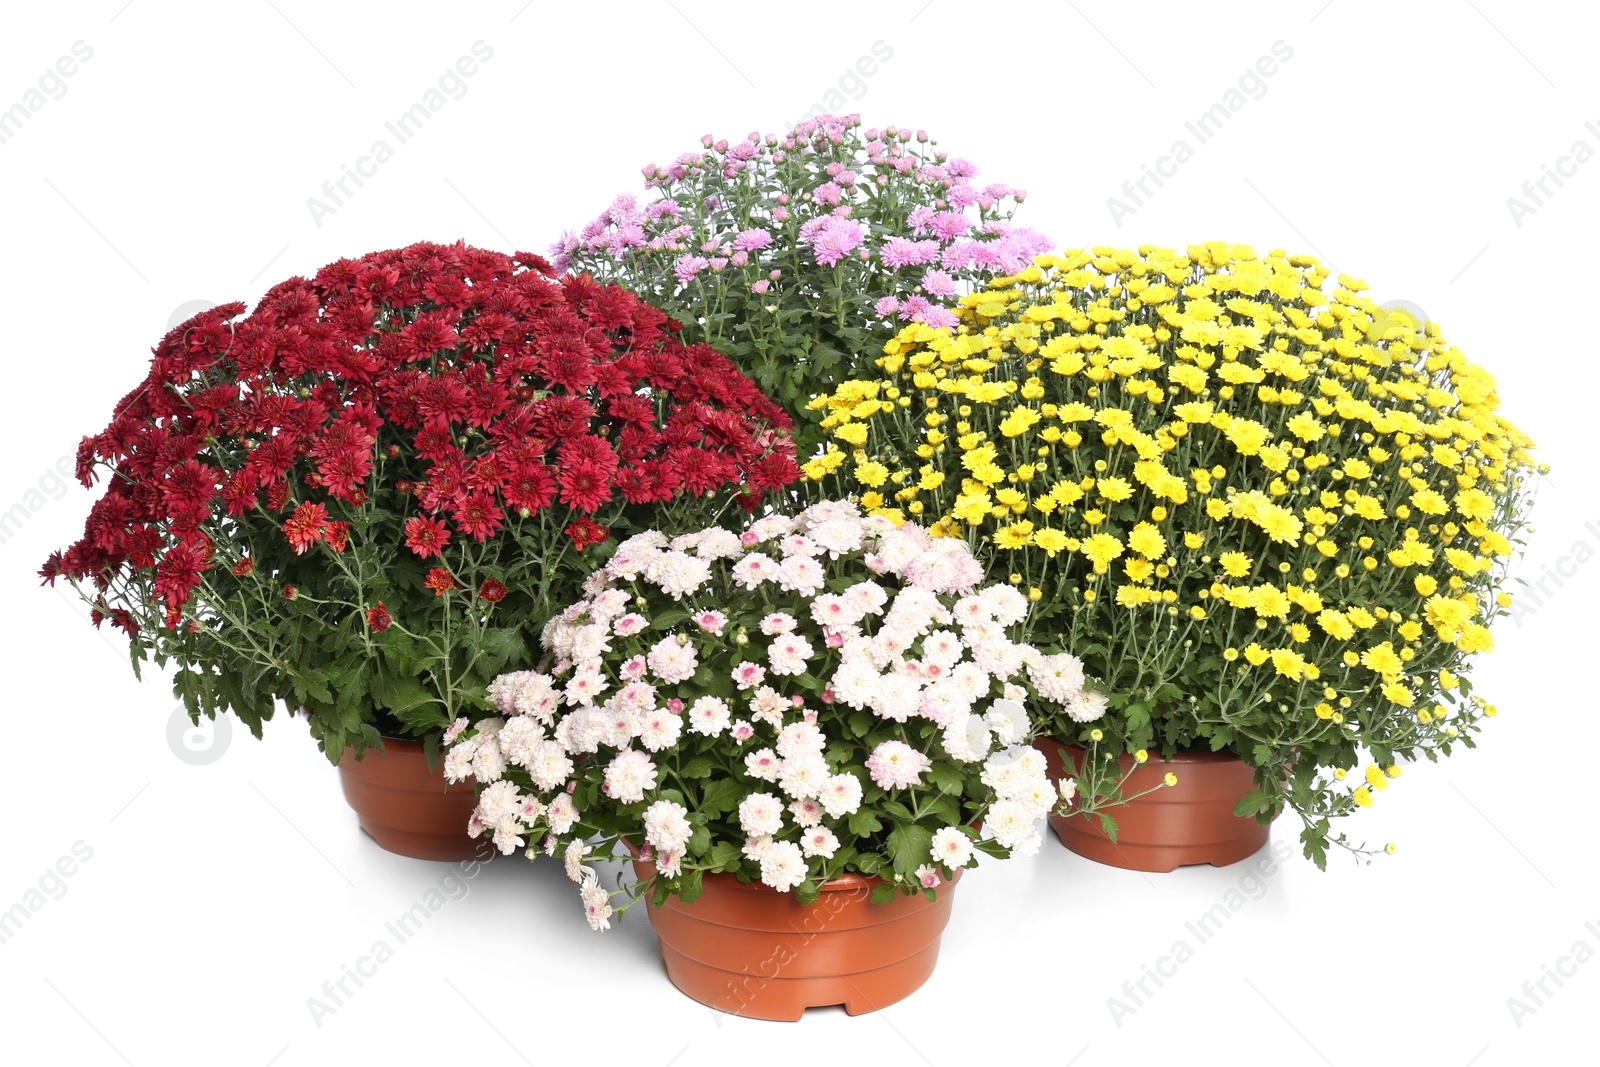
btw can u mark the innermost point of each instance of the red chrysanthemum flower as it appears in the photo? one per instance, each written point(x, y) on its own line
point(378, 618)
point(290, 592)
point(337, 535)
point(244, 566)
point(426, 537)
point(492, 591)
point(440, 581)
point(478, 516)
point(304, 526)
point(586, 532)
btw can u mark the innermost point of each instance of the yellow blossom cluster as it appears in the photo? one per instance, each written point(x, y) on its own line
point(1239, 456)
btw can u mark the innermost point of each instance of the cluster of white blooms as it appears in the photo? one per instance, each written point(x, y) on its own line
point(909, 636)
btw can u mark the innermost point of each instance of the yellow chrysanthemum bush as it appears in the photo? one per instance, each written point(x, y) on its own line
point(1268, 515)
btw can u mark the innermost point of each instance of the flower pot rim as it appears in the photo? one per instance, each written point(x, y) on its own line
point(848, 882)
point(1182, 756)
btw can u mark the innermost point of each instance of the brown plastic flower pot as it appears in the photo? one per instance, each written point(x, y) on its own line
point(407, 808)
point(1175, 826)
point(746, 949)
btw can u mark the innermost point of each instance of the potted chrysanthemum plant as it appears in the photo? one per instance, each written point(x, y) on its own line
point(363, 499)
point(1272, 517)
point(813, 725)
point(798, 254)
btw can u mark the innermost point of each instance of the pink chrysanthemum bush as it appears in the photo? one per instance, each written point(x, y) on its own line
point(818, 695)
point(799, 255)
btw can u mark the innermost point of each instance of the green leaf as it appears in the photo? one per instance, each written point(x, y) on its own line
point(721, 795)
point(910, 846)
point(883, 893)
point(699, 767)
point(1108, 826)
point(948, 778)
point(690, 887)
point(864, 823)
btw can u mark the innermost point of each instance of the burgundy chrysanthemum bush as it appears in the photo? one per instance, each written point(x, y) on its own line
point(365, 498)
point(800, 255)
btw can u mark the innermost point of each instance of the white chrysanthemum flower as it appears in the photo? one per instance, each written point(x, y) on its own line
point(629, 775)
point(659, 728)
point(1008, 720)
point(608, 605)
point(819, 841)
point(717, 543)
point(783, 866)
point(756, 847)
point(458, 761)
point(532, 808)
point(898, 548)
point(1007, 604)
point(669, 863)
point(1030, 759)
point(1010, 823)
point(503, 694)
point(800, 738)
point(898, 697)
point(966, 738)
point(678, 574)
point(684, 542)
point(591, 642)
point(741, 730)
point(769, 526)
point(998, 656)
point(672, 660)
point(630, 625)
point(517, 739)
point(561, 815)
point(709, 716)
point(952, 848)
point(1087, 706)
point(798, 545)
point(972, 610)
point(585, 685)
point(508, 838)
point(831, 609)
point(855, 682)
point(801, 574)
point(973, 679)
point(944, 702)
point(806, 812)
point(942, 648)
point(667, 826)
point(488, 762)
point(841, 795)
point(768, 706)
point(636, 696)
point(499, 805)
point(755, 568)
point(548, 765)
point(837, 537)
point(788, 654)
point(803, 775)
point(748, 674)
point(572, 860)
point(596, 905)
point(1069, 790)
point(829, 511)
point(778, 622)
point(761, 814)
point(889, 646)
point(764, 764)
point(868, 597)
point(633, 669)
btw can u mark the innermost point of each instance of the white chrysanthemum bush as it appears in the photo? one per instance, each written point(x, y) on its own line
point(813, 696)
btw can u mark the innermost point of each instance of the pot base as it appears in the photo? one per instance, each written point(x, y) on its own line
point(1175, 826)
point(748, 950)
point(408, 809)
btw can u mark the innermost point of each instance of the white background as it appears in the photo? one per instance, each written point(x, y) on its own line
point(219, 897)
